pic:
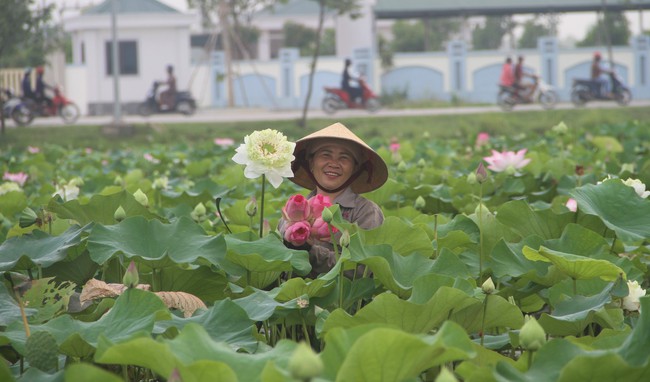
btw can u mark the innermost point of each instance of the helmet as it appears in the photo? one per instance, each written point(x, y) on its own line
point(596, 54)
point(28, 70)
point(40, 70)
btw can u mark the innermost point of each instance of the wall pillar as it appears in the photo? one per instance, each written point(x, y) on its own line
point(457, 53)
point(548, 52)
point(288, 94)
point(362, 60)
point(356, 33)
point(641, 66)
point(218, 79)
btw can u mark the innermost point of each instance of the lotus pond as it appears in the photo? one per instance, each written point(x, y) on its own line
point(502, 258)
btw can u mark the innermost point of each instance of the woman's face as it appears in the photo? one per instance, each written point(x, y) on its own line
point(332, 165)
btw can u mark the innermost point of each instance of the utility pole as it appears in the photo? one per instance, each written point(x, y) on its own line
point(117, 112)
point(224, 10)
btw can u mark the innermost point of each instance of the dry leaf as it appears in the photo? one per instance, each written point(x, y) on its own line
point(95, 289)
point(185, 302)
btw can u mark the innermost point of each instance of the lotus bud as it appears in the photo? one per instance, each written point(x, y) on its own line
point(471, 178)
point(175, 376)
point(76, 181)
point(27, 218)
point(131, 278)
point(422, 163)
point(119, 214)
point(481, 173)
point(327, 215)
point(561, 128)
point(118, 180)
point(446, 376)
point(488, 286)
point(532, 336)
point(401, 167)
point(141, 198)
point(266, 228)
point(198, 214)
point(420, 203)
point(251, 207)
point(304, 363)
point(344, 241)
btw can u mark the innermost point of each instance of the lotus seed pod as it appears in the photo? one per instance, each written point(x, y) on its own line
point(532, 336)
point(27, 218)
point(327, 215)
point(304, 363)
point(119, 214)
point(131, 277)
point(420, 203)
point(141, 198)
point(488, 286)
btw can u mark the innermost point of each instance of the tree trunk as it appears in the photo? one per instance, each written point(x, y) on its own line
point(223, 12)
point(314, 61)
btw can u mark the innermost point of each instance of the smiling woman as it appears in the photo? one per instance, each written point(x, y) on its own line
point(335, 163)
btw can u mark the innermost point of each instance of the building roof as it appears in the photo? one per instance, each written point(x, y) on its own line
point(396, 9)
point(131, 6)
point(292, 8)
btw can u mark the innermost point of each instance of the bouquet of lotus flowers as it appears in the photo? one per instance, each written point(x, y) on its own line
point(306, 220)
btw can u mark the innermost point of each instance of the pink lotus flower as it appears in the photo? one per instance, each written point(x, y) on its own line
point(320, 230)
point(224, 142)
point(317, 203)
point(296, 208)
point(572, 205)
point(19, 177)
point(297, 233)
point(394, 145)
point(506, 161)
point(482, 139)
point(151, 158)
point(33, 150)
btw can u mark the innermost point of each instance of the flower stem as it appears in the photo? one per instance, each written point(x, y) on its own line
point(217, 201)
point(480, 231)
point(485, 303)
point(262, 206)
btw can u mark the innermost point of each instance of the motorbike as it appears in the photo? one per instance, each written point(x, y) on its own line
point(585, 90)
point(337, 99)
point(509, 96)
point(184, 103)
point(12, 102)
point(61, 106)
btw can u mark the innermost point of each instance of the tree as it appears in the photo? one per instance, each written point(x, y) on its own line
point(341, 7)
point(423, 35)
point(23, 41)
point(615, 24)
point(304, 38)
point(490, 35)
point(533, 30)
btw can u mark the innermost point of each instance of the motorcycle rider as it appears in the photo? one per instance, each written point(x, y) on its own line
point(596, 72)
point(507, 77)
point(354, 91)
point(168, 96)
point(519, 74)
point(26, 84)
point(40, 95)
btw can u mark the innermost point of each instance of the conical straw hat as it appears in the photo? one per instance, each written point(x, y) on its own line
point(374, 172)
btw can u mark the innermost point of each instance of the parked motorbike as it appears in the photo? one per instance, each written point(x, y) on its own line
point(61, 106)
point(184, 103)
point(585, 90)
point(337, 99)
point(509, 96)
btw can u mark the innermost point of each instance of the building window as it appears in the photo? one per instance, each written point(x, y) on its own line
point(128, 56)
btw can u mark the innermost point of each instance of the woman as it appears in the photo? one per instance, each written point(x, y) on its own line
point(334, 162)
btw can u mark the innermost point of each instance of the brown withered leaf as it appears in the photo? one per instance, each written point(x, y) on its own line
point(94, 289)
point(185, 302)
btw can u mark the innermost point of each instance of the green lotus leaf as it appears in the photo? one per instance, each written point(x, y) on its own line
point(425, 286)
point(608, 144)
point(403, 237)
point(160, 358)
point(520, 218)
point(225, 321)
point(76, 268)
point(619, 207)
point(450, 264)
point(260, 305)
point(157, 244)
point(634, 348)
point(38, 249)
point(100, 208)
point(458, 234)
point(507, 260)
point(9, 309)
point(297, 286)
point(575, 266)
point(35, 375)
point(388, 309)
point(368, 353)
point(5, 372)
point(572, 315)
point(12, 203)
point(133, 314)
point(498, 314)
point(579, 240)
point(86, 372)
point(202, 282)
point(194, 344)
point(605, 367)
point(480, 368)
point(266, 254)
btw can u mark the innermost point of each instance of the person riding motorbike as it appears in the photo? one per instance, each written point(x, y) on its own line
point(26, 84)
point(39, 93)
point(355, 92)
point(596, 72)
point(168, 96)
point(523, 90)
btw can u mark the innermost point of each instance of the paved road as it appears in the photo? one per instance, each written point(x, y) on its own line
point(235, 114)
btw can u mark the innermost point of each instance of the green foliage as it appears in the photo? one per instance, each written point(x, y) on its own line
point(613, 28)
point(533, 30)
point(490, 35)
point(422, 35)
point(304, 38)
point(25, 37)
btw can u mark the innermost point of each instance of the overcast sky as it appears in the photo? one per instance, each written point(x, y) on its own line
point(572, 25)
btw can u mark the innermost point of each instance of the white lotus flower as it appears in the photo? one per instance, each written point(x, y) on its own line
point(639, 187)
point(266, 152)
point(67, 192)
point(631, 301)
point(9, 187)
